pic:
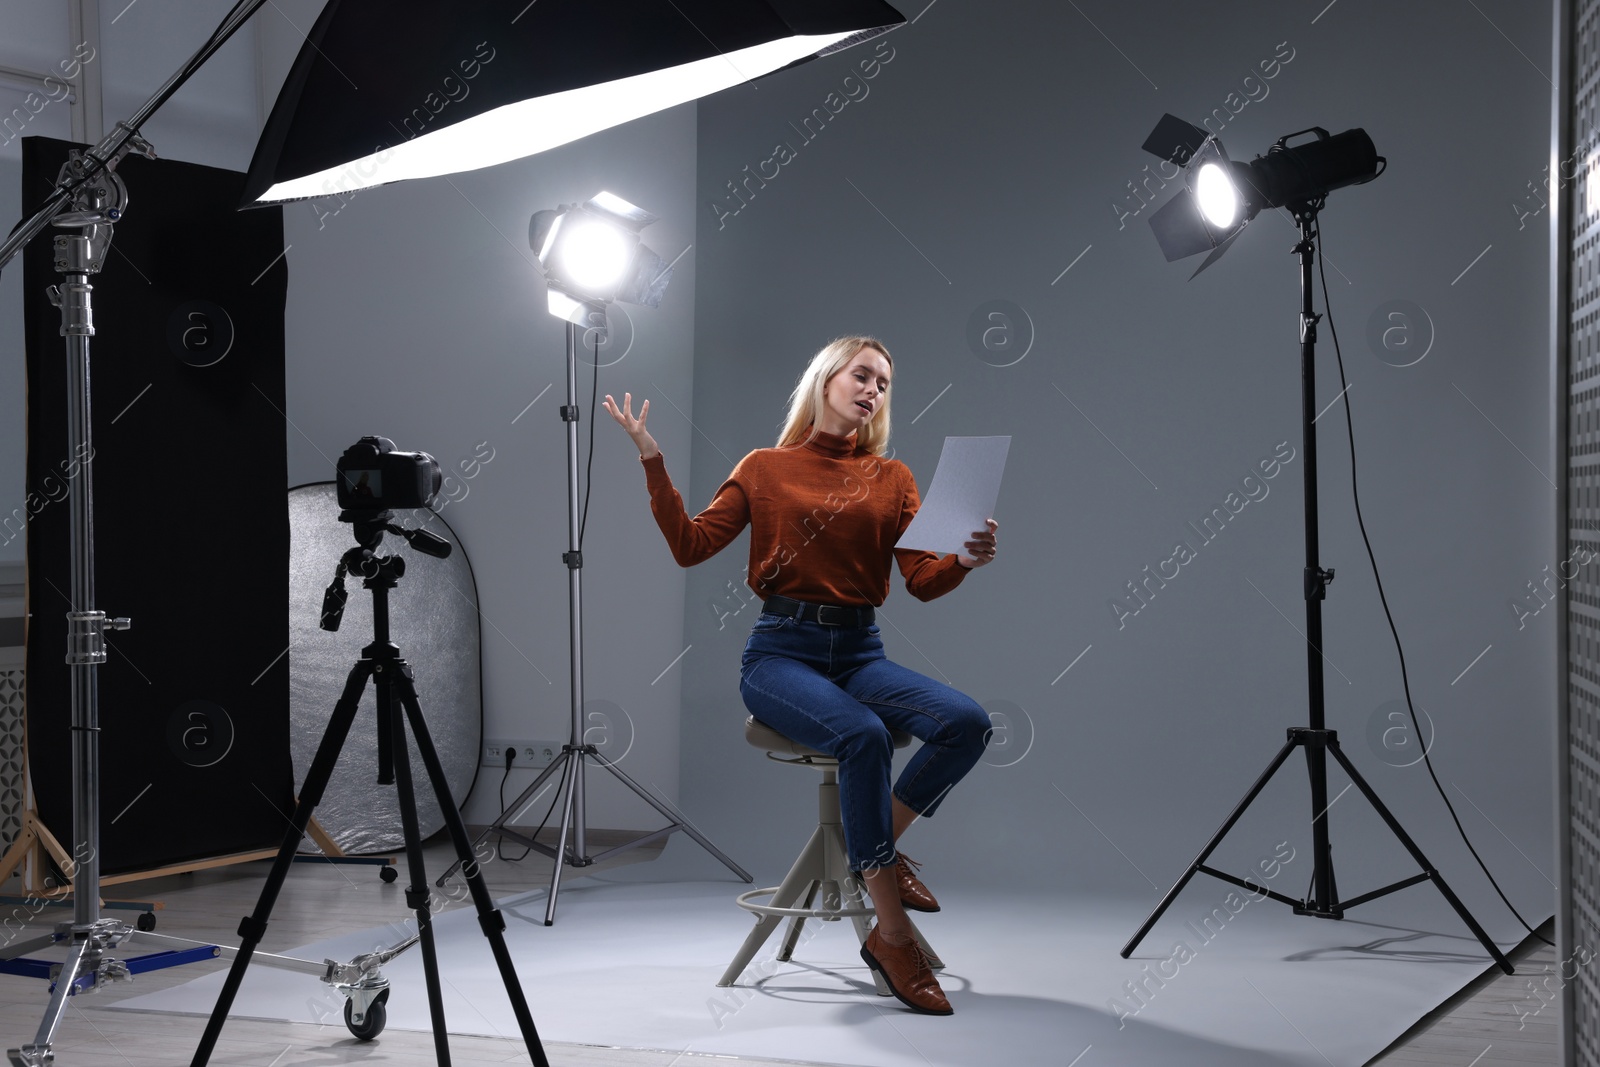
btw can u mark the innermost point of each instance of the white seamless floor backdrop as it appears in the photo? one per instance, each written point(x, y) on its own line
point(635, 954)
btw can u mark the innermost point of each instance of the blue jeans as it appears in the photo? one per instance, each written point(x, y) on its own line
point(831, 688)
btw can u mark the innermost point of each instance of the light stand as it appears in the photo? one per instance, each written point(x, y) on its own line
point(1317, 740)
point(577, 750)
point(89, 198)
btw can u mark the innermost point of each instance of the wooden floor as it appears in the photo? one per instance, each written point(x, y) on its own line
point(1492, 1026)
point(1498, 1022)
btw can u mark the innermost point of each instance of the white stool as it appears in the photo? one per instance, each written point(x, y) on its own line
point(823, 866)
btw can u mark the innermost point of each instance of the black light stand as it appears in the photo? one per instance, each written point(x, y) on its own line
point(1317, 740)
point(382, 661)
point(577, 750)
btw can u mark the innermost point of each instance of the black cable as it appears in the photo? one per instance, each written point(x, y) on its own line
point(1404, 680)
point(499, 843)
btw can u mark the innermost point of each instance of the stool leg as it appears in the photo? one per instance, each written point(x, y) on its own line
point(836, 864)
point(807, 869)
point(786, 952)
point(851, 891)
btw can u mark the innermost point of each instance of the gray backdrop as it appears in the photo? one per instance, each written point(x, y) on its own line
point(979, 163)
point(982, 161)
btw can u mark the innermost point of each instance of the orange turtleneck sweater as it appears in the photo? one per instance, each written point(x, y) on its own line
point(823, 516)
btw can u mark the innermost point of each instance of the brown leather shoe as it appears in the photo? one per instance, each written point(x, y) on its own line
point(913, 894)
point(905, 969)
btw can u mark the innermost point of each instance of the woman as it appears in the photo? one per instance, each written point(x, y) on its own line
point(825, 512)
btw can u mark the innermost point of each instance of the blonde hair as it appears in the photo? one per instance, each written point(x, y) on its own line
point(806, 401)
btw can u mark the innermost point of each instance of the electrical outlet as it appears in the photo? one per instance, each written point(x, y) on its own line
point(526, 754)
point(540, 754)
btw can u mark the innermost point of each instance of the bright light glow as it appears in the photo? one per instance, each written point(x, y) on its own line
point(563, 306)
point(1218, 201)
point(594, 255)
point(532, 126)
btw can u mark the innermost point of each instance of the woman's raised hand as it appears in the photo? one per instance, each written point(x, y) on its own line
point(634, 426)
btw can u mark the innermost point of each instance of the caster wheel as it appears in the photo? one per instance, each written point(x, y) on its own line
point(372, 1026)
point(146, 921)
point(388, 873)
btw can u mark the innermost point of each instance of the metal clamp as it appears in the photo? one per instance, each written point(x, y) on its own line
point(86, 642)
point(74, 299)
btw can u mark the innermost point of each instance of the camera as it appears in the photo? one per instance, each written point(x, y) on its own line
point(374, 476)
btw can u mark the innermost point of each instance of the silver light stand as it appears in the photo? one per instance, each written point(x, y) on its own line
point(89, 198)
point(576, 750)
point(97, 198)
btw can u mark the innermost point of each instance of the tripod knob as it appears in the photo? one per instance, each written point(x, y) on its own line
point(1316, 582)
point(118, 624)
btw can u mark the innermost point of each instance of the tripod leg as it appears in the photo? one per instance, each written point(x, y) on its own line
point(1422, 861)
point(417, 891)
point(490, 920)
point(84, 960)
point(1324, 899)
point(573, 758)
point(253, 927)
point(666, 808)
point(1216, 839)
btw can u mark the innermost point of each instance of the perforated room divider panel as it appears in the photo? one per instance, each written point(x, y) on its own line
point(11, 798)
point(1577, 304)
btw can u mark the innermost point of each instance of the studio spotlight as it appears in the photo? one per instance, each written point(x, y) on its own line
point(1219, 197)
point(592, 255)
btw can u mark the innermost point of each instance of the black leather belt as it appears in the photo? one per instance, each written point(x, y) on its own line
point(827, 614)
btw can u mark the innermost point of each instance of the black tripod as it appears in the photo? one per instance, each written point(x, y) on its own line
point(1318, 741)
point(382, 660)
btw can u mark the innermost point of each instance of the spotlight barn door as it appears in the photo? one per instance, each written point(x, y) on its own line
point(191, 539)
